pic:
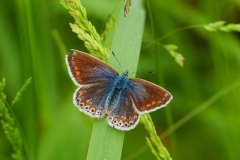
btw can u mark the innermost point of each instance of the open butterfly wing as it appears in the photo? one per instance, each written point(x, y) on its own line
point(147, 96)
point(124, 116)
point(93, 77)
point(86, 69)
point(90, 99)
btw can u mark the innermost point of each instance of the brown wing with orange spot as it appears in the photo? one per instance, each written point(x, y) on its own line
point(86, 69)
point(124, 117)
point(147, 96)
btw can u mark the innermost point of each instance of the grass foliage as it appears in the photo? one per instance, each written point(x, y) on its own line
point(9, 122)
point(201, 122)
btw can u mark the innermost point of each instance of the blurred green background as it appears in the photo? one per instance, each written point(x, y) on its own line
point(55, 129)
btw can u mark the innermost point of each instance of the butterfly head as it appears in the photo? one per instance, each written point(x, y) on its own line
point(125, 73)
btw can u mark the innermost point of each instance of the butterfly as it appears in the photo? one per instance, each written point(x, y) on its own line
point(102, 91)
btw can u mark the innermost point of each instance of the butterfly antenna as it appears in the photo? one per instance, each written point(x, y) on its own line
point(117, 60)
point(142, 72)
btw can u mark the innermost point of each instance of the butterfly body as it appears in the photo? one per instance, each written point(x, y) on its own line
point(103, 91)
point(117, 92)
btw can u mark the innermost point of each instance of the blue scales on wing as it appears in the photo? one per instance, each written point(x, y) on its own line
point(93, 78)
point(119, 105)
point(101, 91)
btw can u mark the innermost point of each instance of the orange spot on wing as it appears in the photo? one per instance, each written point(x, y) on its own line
point(76, 68)
point(148, 105)
point(115, 119)
point(77, 73)
point(153, 102)
point(93, 109)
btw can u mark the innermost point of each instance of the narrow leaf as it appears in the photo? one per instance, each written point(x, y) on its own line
point(18, 95)
point(106, 142)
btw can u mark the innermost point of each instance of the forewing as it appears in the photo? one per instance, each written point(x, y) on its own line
point(147, 96)
point(86, 69)
point(124, 116)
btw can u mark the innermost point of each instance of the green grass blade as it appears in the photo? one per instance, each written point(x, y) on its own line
point(19, 93)
point(201, 107)
point(10, 125)
point(106, 142)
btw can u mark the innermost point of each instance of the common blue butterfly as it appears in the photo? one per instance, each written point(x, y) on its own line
point(101, 90)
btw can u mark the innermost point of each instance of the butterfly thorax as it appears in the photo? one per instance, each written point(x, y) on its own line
point(121, 82)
